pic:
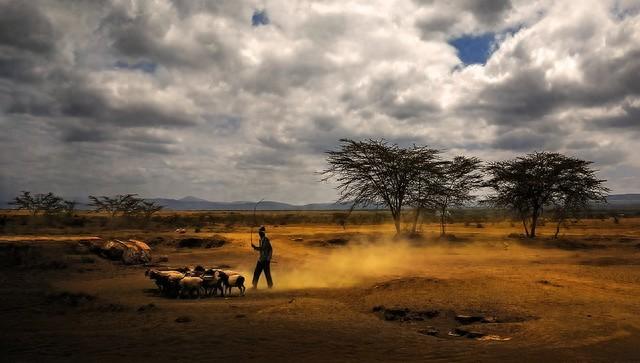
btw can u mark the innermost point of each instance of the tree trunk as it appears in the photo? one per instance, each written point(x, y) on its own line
point(396, 220)
point(415, 221)
point(557, 230)
point(443, 221)
point(534, 222)
point(524, 223)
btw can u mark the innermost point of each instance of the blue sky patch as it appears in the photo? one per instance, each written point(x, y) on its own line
point(474, 49)
point(259, 17)
point(144, 66)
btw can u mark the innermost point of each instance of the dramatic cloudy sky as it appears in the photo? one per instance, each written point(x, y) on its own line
point(234, 100)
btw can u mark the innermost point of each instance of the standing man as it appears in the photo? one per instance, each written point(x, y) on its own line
point(264, 262)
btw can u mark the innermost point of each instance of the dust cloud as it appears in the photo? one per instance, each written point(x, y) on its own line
point(367, 262)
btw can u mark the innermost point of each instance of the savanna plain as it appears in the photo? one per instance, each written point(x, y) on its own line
point(343, 292)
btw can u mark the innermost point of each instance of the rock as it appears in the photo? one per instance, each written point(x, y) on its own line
point(131, 252)
point(468, 319)
point(429, 331)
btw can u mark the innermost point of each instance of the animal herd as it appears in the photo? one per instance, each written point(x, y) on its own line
point(186, 282)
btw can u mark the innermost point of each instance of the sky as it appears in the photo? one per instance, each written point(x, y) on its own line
point(239, 100)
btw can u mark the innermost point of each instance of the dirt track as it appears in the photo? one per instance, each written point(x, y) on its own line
point(552, 304)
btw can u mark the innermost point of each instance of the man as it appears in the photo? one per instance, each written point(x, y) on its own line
point(264, 262)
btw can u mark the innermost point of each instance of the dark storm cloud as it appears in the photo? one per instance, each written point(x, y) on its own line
point(27, 42)
point(141, 37)
point(489, 11)
point(278, 75)
point(85, 134)
point(629, 119)
point(80, 101)
point(23, 26)
point(384, 95)
point(528, 95)
point(439, 24)
point(526, 140)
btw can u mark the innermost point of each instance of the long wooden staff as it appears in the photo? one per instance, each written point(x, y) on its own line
point(254, 220)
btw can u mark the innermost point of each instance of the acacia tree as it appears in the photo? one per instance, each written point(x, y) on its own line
point(374, 172)
point(125, 205)
point(459, 178)
point(577, 191)
point(529, 184)
point(148, 209)
point(425, 188)
point(48, 203)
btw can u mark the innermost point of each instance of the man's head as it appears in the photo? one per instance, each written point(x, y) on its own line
point(261, 231)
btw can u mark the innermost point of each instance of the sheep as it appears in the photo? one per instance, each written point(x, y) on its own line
point(233, 280)
point(198, 271)
point(189, 285)
point(167, 281)
point(212, 282)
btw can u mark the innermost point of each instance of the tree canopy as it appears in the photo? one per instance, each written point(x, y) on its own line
point(376, 172)
point(125, 205)
point(47, 204)
point(529, 184)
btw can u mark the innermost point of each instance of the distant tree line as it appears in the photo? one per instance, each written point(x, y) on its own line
point(376, 172)
point(129, 205)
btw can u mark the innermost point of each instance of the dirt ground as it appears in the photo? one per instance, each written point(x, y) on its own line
point(354, 295)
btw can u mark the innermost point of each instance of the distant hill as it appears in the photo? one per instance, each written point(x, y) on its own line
point(191, 203)
point(615, 201)
point(623, 198)
point(192, 199)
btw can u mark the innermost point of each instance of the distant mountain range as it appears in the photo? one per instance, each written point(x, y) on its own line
point(193, 203)
point(623, 201)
